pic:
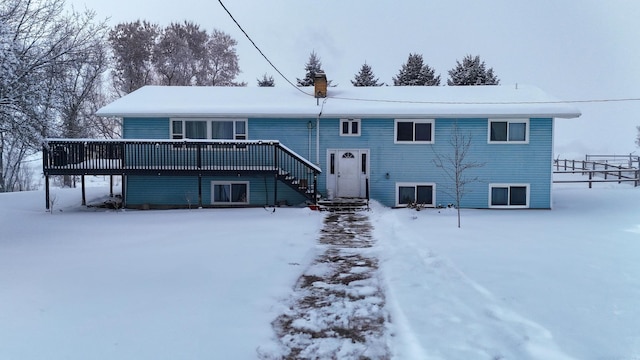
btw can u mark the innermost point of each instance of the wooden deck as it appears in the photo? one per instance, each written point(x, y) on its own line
point(80, 157)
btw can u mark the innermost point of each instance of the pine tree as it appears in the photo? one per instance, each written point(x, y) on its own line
point(416, 73)
point(472, 71)
point(365, 77)
point(312, 67)
point(266, 81)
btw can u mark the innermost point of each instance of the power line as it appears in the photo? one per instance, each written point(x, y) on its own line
point(421, 102)
point(486, 102)
point(260, 51)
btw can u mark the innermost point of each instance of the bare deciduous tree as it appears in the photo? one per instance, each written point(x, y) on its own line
point(221, 61)
point(455, 165)
point(38, 42)
point(132, 45)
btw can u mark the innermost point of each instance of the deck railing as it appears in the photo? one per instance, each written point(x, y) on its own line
point(177, 157)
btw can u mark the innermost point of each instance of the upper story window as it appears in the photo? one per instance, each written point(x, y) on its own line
point(349, 127)
point(417, 131)
point(509, 131)
point(222, 129)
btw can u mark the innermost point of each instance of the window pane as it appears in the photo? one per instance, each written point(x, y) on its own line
point(222, 130)
point(332, 166)
point(425, 195)
point(517, 131)
point(405, 131)
point(239, 193)
point(499, 196)
point(498, 131)
point(345, 127)
point(241, 128)
point(423, 132)
point(363, 166)
point(196, 129)
point(177, 127)
point(354, 128)
point(221, 193)
point(406, 194)
point(518, 195)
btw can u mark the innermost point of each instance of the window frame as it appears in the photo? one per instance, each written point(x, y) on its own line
point(209, 121)
point(398, 185)
point(509, 122)
point(350, 122)
point(431, 122)
point(230, 183)
point(509, 186)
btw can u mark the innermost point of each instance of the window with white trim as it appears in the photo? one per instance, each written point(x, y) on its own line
point(349, 127)
point(509, 195)
point(236, 192)
point(415, 131)
point(219, 129)
point(415, 193)
point(514, 131)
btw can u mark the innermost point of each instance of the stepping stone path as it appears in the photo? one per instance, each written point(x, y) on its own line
point(337, 310)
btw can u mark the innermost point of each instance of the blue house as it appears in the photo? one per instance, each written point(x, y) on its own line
point(241, 146)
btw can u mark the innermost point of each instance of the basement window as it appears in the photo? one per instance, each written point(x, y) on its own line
point(509, 196)
point(229, 192)
point(415, 193)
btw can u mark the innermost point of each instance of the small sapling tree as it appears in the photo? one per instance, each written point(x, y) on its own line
point(455, 164)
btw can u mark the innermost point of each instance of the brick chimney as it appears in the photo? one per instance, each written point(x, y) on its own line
point(320, 85)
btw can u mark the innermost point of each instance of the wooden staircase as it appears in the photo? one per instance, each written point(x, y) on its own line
point(302, 186)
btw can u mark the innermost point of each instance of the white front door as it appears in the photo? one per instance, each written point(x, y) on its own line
point(348, 175)
point(347, 172)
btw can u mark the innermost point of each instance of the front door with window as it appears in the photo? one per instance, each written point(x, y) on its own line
point(348, 170)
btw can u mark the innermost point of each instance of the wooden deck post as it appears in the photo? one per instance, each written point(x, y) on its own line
point(124, 191)
point(110, 185)
point(84, 193)
point(46, 192)
point(275, 178)
point(200, 190)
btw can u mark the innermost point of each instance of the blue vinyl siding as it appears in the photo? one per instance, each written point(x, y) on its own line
point(503, 163)
point(180, 190)
point(410, 163)
point(145, 128)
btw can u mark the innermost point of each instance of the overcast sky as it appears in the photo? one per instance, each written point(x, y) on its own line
point(575, 50)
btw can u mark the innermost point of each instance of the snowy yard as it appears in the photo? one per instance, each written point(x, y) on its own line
point(195, 284)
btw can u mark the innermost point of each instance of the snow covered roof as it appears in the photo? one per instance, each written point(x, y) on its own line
point(362, 102)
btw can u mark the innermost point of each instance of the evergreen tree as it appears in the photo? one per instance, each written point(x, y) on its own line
point(365, 77)
point(472, 71)
point(266, 81)
point(312, 67)
point(416, 73)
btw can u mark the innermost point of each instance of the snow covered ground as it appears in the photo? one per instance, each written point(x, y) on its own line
point(193, 284)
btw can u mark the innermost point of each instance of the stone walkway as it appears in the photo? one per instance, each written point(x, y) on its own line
point(337, 309)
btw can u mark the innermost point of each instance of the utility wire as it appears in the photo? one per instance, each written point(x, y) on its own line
point(260, 51)
point(485, 102)
point(422, 102)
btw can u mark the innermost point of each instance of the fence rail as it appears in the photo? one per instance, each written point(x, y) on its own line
point(600, 169)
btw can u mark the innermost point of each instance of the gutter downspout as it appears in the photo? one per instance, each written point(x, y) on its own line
point(318, 132)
